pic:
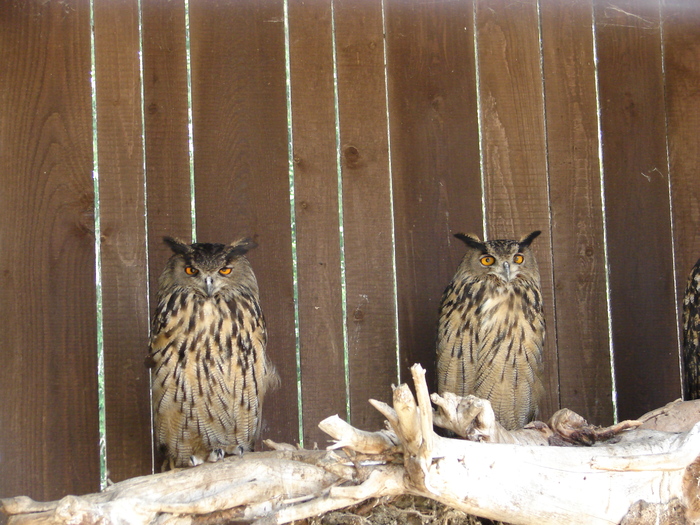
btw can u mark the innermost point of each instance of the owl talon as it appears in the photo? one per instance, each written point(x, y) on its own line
point(195, 460)
point(215, 455)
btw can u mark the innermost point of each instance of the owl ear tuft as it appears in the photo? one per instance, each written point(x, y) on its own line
point(526, 241)
point(471, 240)
point(177, 245)
point(241, 247)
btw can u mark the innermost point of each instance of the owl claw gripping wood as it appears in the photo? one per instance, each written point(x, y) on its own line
point(207, 351)
point(491, 329)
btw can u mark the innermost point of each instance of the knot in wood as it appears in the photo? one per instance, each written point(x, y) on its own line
point(351, 156)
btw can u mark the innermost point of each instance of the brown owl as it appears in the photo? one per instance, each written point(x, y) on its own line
point(210, 371)
point(491, 329)
point(691, 335)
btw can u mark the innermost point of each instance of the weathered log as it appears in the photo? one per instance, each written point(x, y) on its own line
point(640, 476)
point(257, 484)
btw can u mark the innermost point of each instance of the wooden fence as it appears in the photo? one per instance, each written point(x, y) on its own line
point(351, 138)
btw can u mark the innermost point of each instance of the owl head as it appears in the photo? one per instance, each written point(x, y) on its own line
point(504, 260)
point(208, 269)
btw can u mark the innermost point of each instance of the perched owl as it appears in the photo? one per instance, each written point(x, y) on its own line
point(207, 350)
point(491, 329)
point(691, 334)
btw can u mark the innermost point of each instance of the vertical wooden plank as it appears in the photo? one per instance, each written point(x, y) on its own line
point(321, 337)
point(513, 137)
point(166, 137)
point(585, 374)
point(367, 220)
point(435, 152)
point(48, 379)
point(166, 129)
point(637, 205)
point(681, 40)
point(123, 240)
point(241, 165)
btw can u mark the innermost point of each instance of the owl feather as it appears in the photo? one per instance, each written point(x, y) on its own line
point(691, 335)
point(491, 329)
point(210, 370)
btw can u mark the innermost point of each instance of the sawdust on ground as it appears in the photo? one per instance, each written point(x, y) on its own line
point(404, 510)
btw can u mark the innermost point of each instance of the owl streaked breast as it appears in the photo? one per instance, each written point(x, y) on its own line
point(208, 340)
point(491, 329)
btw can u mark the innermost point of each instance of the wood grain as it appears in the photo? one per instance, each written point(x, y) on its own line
point(681, 41)
point(367, 216)
point(166, 130)
point(48, 379)
point(241, 167)
point(514, 148)
point(123, 241)
point(435, 152)
point(638, 219)
point(577, 216)
point(321, 336)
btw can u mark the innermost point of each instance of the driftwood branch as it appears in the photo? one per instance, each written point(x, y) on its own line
point(624, 474)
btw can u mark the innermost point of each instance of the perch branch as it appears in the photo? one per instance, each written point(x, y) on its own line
point(348, 436)
point(508, 476)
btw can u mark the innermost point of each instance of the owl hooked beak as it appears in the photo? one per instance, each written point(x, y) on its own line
point(209, 285)
point(506, 270)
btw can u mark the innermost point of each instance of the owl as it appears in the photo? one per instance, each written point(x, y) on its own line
point(210, 372)
point(691, 335)
point(491, 329)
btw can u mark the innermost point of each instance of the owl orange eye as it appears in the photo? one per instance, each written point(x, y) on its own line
point(191, 271)
point(225, 271)
point(487, 260)
point(518, 259)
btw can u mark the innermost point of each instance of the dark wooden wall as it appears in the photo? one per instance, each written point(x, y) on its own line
point(351, 138)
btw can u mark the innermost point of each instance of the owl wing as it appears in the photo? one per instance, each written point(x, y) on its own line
point(251, 372)
point(509, 364)
point(510, 377)
point(456, 345)
point(174, 417)
point(691, 334)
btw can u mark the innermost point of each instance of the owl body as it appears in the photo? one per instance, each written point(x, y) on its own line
point(691, 335)
point(491, 329)
point(210, 370)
